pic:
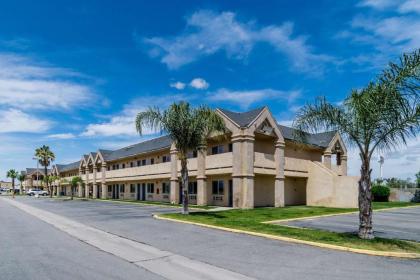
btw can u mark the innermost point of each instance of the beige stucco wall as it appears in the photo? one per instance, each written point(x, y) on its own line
point(298, 151)
point(325, 188)
point(295, 191)
point(263, 191)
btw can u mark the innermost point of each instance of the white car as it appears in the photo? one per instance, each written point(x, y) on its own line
point(32, 192)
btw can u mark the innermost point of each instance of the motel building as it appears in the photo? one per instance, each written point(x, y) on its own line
point(34, 178)
point(258, 163)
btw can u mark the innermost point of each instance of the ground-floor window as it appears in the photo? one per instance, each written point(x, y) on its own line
point(109, 188)
point(218, 187)
point(122, 188)
point(192, 187)
point(132, 188)
point(150, 187)
point(166, 187)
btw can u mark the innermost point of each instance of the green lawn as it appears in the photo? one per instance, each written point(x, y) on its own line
point(158, 203)
point(251, 220)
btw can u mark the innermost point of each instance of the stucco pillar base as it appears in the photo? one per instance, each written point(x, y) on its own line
point(279, 192)
point(243, 192)
point(174, 192)
point(104, 194)
point(87, 189)
point(202, 192)
point(95, 191)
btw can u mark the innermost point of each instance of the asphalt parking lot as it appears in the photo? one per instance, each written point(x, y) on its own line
point(402, 223)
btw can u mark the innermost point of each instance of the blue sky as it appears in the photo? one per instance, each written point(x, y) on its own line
point(73, 74)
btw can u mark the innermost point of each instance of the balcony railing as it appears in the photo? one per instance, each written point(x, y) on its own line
point(152, 169)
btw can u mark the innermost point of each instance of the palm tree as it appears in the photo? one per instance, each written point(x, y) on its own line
point(21, 177)
point(379, 117)
point(187, 127)
point(13, 175)
point(50, 179)
point(45, 157)
point(75, 181)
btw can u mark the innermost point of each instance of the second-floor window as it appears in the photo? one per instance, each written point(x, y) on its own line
point(143, 162)
point(152, 161)
point(166, 158)
point(219, 149)
point(123, 165)
point(131, 164)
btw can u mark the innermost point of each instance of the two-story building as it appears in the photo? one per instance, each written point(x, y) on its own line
point(257, 163)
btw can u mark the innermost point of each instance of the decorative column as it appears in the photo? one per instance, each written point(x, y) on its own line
point(243, 171)
point(103, 182)
point(344, 165)
point(94, 186)
point(201, 176)
point(87, 188)
point(80, 185)
point(327, 159)
point(174, 175)
point(279, 180)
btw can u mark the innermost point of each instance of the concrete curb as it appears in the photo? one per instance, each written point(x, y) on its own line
point(298, 241)
point(335, 214)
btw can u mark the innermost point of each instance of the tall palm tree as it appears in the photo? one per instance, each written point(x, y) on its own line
point(45, 157)
point(13, 175)
point(21, 177)
point(188, 128)
point(379, 117)
point(75, 181)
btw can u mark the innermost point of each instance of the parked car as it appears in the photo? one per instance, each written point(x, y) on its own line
point(32, 192)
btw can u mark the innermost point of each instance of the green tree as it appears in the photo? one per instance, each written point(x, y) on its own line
point(418, 179)
point(45, 157)
point(188, 128)
point(380, 116)
point(13, 175)
point(75, 181)
point(21, 177)
point(49, 180)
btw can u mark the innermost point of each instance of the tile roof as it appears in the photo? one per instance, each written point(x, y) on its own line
point(40, 169)
point(68, 167)
point(139, 148)
point(242, 119)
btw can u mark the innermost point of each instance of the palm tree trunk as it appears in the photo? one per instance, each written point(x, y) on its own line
point(184, 179)
point(13, 187)
point(365, 202)
point(72, 192)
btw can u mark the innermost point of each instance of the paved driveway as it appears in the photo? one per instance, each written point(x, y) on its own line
point(249, 255)
point(403, 223)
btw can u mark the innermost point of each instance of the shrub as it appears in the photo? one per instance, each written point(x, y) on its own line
point(380, 192)
point(416, 197)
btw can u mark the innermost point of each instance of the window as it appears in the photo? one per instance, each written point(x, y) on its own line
point(109, 188)
point(218, 187)
point(217, 150)
point(192, 187)
point(150, 187)
point(166, 158)
point(138, 163)
point(192, 154)
point(152, 161)
point(123, 165)
point(132, 188)
point(166, 187)
point(131, 164)
point(230, 147)
point(143, 162)
point(122, 188)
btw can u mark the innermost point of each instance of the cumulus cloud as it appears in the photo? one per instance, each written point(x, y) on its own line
point(178, 85)
point(208, 32)
point(245, 98)
point(199, 83)
point(14, 120)
point(27, 84)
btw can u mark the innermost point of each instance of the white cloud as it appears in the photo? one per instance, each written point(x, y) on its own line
point(14, 120)
point(199, 83)
point(26, 84)
point(178, 85)
point(61, 136)
point(390, 28)
point(123, 123)
point(245, 98)
point(402, 163)
point(208, 32)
